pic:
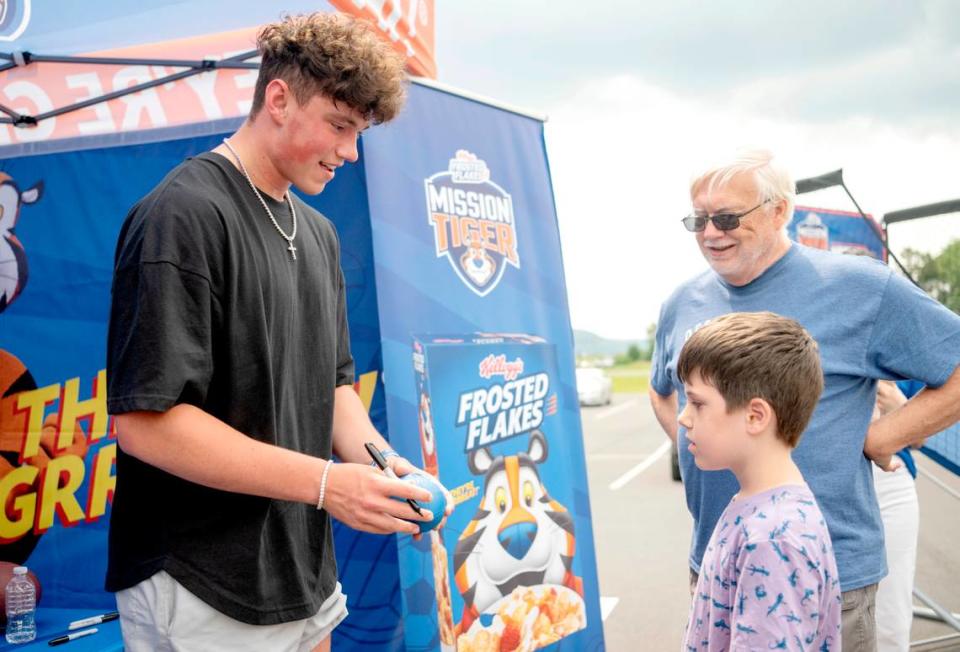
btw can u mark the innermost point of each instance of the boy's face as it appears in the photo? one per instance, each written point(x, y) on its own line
point(317, 138)
point(718, 439)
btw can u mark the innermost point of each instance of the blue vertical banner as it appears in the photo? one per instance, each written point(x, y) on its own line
point(478, 371)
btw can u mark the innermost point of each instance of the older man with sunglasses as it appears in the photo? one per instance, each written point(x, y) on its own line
point(869, 323)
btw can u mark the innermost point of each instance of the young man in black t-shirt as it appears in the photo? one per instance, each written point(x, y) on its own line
point(230, 372)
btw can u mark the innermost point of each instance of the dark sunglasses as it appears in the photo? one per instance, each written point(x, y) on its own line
point(723, 221)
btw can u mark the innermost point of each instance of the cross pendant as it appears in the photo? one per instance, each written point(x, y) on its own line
point(292, 250)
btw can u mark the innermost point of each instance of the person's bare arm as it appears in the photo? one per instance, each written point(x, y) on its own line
point(929, 412)
point(196, 446)
point(352, 427)
point(665, 409)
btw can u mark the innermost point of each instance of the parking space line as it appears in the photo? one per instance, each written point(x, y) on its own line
point(937, 481)
point(610, 411)
point(606, 606)
point(641, 467)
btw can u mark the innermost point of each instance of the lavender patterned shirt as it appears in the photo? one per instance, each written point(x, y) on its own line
point(768, 579)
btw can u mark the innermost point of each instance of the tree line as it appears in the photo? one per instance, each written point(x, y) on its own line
point(938, 275)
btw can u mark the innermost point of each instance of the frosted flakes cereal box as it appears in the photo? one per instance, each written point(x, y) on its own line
point(503, 574)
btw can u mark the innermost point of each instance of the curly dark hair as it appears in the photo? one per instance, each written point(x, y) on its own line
point(333, 55)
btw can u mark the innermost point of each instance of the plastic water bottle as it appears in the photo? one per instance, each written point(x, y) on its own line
point(21, 607)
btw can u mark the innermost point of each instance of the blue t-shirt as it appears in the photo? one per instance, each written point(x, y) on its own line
point(869, 324)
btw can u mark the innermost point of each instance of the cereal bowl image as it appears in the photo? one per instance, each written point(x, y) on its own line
point(531, 617)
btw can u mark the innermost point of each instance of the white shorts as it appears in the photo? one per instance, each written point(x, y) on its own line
point(160, 615)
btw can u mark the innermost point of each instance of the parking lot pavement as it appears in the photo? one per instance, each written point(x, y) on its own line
point(642, 531)
point(938, 552)
point(641, 526)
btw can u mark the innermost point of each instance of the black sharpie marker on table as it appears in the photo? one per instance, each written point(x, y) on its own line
point(93, 620)
point(66, 638)
point(382, 463)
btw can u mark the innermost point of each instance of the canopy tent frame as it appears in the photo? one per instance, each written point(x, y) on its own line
point(193, 67)
point(927, 210)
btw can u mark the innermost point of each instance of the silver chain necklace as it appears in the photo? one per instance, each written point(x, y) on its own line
point(286, 195)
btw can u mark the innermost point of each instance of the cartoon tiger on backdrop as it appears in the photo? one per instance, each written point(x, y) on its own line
point(518, 537)
point(13, 259)
point(477, 264)
point(16, 378)
point(428, 441)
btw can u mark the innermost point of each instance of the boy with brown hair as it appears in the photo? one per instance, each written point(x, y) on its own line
point(230, 372)
point(768, 578)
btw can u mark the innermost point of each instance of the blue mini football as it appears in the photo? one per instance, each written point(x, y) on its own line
point(438, 500)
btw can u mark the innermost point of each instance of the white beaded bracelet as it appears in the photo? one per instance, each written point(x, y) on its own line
point(323, 483)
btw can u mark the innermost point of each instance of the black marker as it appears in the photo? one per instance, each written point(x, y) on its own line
point(69, 637)
point(382, 463)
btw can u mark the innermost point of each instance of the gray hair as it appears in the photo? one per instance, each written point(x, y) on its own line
point(773, 181)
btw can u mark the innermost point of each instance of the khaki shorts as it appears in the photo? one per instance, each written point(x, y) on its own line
point(159, 615)
point(858, 622)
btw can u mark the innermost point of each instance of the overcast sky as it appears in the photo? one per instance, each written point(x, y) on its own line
point(640, 94)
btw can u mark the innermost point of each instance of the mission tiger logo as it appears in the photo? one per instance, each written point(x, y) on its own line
point(473, 222)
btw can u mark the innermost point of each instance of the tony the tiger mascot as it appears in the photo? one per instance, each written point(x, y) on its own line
point(13, 259)
point(518, 537)
point(428, 442)
point(478, 264)
point(16, 378)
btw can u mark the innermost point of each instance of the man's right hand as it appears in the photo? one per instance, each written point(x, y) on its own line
point(361, 496)
point(889, 397)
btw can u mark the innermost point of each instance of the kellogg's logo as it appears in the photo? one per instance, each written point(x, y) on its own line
point(473, 222)
point(14, 16)
point(498, 365)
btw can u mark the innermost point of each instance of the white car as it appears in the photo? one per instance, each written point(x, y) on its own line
point(594, 387)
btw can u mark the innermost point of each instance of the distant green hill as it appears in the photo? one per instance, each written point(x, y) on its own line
point(587, 343)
